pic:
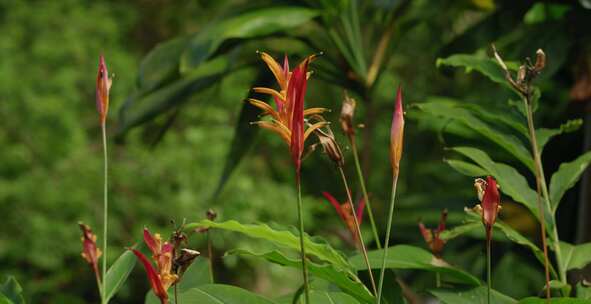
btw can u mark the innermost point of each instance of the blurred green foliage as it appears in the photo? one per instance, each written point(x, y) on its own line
point(51, 159)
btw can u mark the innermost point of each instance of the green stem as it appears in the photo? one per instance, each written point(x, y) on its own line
point(302, 247)
point(359, 236)
point(387, 240)
point(210, 256)
point(364, 190)
point(488, 269)
point(542, 179)
point(437, 280)
point(105, 211)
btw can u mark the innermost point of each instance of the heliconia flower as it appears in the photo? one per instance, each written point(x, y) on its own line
point(397, 133)
point(346, 214)
point(488, 194)
point(90, 252)
point(287, 119)
point(161, 277)
point(103, 85)
point(432, 237)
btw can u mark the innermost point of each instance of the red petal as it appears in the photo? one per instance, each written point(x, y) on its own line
point(490, 204)
point(155, 281)
point(360, 208)
point(335, 204)
point(102, 89)
point(151, 242)
point(427, 234)
point(296, 90)
point(286, 66)
point(442, 220)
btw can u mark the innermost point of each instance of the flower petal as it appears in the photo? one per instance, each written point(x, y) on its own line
point(275, 69)
point(153, 277)
point(275, 127)
point(269, 91)
point(359, 211)
point(397, 133)
point(312, 111)
point(335, 204)
point(295, 92)
point(152, 242)
point(267, 109)
point(103, 85)
point(313, 127)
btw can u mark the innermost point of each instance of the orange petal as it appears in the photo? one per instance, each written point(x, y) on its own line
point(312, 111)
point(267, 109)
point(314, 127)
point(270, 92)
point(277, 128)
point(275, 69)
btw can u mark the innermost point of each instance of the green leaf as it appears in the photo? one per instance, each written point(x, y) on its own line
point(544, 135)
point(220, 294)
point(453, 111)
point(566, 177)
point(196, 275)
point(511, 182)
point(12, 291)
point(410, 257)
point(317, 296)
point(142, 106)
point(534, 300)
point(466, 168)
point(161, 63)
point(284, 238)
point(250, 24)
point(5, 300)
point(342, 279)
point(575, 256)
point(470, 296)
point(484, 65)
point(583, 290)
point(118, 273)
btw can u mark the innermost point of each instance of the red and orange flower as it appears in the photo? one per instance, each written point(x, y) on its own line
point(432, 237)
point(490, 198)
point(287, 118)
point(90, 252)
point(103, 85)
point(346, 214)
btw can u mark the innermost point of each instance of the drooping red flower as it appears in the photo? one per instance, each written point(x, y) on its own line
point(103, 85)
point(161, 277)
point(346, 214)
point(287, 119)
point(397, 133)
point(90, 252)
point(432, 237)
point(488, 194)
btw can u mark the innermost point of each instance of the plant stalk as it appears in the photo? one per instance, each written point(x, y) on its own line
point(358, 228)
point(364, 190)
point(105, 211)
point(542, 180)
point(210, 256)
point(302, 247)
point(387, 240)
point(488, 269)
point(437, 280)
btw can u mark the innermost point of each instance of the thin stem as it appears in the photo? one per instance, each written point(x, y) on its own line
point(98, 282)
point(302, 247)
point(488, 269)
point(210, 256)
point(105, 210)
point(364, 190)
point(359, 236)
point(542, 180)
point(437, 280)
point(387, 240)
point(544, 241)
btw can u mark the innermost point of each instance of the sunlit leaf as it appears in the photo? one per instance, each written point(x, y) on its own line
point(344, 280)
point(220, 294)
point(466, 168)
point(566, 177)
point(323, 251)
point(484, 65)
point(477, 295)
point(534, 300)
point(317, 296)
point(575, 256)
point(410, 257)
point(12, 291)
point(118, 273)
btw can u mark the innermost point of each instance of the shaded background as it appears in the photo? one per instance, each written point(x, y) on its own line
point(169, 167)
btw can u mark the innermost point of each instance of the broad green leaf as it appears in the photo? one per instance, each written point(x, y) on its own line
point(317, 296)
point(410, 257)
point(473, 222)
point(161, 63)
point(345, 281)
point(250, 24)
point(534, 300)
point(566, 177)
point(196, 275)
point(544, 135)
point(583, 290)
point(5, 300)
point(12, 291)
point(466, 168)
point(220, 294)
point(141, 107)
point(511, 182)
point(118, 273)
point(484, 65)
point(451, 110)
point(470, 296)
point(575, 256)
point(560, 286)
point(284, 238)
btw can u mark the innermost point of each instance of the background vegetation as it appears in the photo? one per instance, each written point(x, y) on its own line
point(169, 167)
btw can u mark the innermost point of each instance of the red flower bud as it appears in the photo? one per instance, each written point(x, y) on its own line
point(103, 85)
point(397, 133)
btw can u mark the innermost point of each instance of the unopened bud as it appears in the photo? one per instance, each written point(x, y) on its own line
point(540, 60)
point(211, 215)
point(346, 118)
point(330, 146)
point(521, 73)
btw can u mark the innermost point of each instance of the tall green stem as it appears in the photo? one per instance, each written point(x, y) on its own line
point(302, 247)
point(105, 210)
point(364, 190)
point(387, 240)
point(359, 236)
point(210, 256)
point(488, 269)
point(542, 180)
